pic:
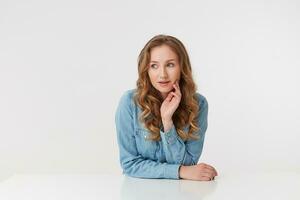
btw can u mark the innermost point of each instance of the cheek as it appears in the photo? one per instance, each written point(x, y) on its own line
point(151, 76)
point(177, 73)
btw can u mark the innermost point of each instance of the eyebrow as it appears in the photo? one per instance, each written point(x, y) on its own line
point(167, 60)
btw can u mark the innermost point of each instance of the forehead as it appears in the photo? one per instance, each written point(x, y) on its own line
point(162, 53)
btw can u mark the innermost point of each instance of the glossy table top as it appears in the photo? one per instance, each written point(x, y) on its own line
point(246, 185)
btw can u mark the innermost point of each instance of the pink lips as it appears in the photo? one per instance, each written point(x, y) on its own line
point(164, 83)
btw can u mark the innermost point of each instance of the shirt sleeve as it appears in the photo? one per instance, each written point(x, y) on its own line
point(186, 153)
point(132, 163)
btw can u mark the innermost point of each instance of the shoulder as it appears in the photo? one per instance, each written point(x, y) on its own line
point(128, 94)
point(202, 100)
point(127, 97)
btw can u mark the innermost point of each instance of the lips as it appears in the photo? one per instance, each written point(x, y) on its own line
point(164, 83)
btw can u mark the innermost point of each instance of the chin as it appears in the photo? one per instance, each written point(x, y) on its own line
point(164, 90)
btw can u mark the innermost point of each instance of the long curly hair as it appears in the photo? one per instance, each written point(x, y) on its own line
point(150, 100)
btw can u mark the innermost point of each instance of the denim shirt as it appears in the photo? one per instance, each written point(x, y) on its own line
point(144, 158)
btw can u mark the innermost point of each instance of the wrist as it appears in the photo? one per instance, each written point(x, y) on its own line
point(182, 171)
point(167, 125)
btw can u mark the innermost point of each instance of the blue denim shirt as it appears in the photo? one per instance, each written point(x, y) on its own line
point(144, 158)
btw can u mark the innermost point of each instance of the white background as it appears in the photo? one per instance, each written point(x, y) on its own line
point(65, 64)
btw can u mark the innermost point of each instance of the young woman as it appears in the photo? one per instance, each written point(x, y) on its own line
point(161, 124)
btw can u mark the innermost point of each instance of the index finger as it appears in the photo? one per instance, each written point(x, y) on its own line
point(177, 88)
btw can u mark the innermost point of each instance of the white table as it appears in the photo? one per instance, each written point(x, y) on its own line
point(246, 185)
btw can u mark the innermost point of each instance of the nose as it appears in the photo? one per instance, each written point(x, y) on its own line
point(163, 73)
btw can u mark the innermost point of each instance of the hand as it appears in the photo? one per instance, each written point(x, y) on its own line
point(171, 103)
point(199, 172)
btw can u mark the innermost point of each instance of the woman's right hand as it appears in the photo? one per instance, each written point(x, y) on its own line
point(199, 172)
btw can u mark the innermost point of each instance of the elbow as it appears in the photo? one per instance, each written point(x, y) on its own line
point(128, 167)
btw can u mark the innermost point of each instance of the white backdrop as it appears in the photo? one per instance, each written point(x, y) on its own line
point(65, 64)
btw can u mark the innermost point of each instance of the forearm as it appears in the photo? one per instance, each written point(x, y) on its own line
point(179, 152)
point(143, 168)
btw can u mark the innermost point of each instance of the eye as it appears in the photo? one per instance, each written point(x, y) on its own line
point(154, 66)
point(171, 65)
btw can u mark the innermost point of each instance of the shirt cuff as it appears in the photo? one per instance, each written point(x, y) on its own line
point(172, 171)
point(170, 136)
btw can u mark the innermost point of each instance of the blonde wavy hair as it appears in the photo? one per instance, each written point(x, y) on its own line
point(149, 99)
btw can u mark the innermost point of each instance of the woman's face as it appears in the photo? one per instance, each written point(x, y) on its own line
point(163, 69)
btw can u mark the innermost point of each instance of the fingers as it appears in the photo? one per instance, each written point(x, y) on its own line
point(177, 89)
point(175, 94)
point(169, 97)
point(215, 171)
point(205, 178)
point(210, 168)
point(207, 172)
